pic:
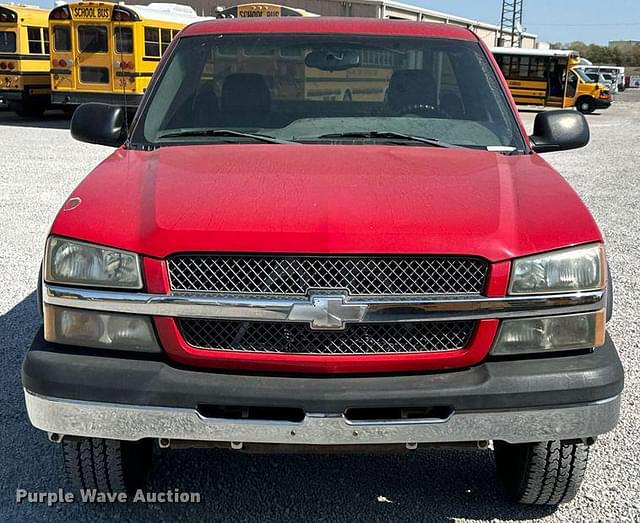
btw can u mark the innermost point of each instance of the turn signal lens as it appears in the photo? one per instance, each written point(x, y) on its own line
point(549, 334)
point(99, 330)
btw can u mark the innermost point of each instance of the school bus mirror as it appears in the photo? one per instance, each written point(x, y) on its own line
point(559, 131)
point(99, 123)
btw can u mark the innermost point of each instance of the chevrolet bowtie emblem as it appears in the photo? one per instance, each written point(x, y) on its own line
point(327, 312)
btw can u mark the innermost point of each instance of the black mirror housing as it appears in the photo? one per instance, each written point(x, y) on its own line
point(333, 60)
point(99, 123)
point(559, 131)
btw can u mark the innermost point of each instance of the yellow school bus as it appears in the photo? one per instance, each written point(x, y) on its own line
point(108, 52)
point(368, 82)
point(24, 58)
point(550, 78)
point(257, 10)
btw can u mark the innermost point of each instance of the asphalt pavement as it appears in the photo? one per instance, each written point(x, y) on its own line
point(41, 164)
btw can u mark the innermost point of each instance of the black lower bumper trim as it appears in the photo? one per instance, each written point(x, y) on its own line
point(65, 372)
point(602, 104)
point(79, 98)
point(26, 94)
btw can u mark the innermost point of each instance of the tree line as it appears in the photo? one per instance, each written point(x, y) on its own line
point(625, 55)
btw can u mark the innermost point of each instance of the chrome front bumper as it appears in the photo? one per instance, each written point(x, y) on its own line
point(133, 422)
point(388, 308)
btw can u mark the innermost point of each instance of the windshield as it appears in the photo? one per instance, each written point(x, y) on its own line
point(338, 88)
point(583, 76)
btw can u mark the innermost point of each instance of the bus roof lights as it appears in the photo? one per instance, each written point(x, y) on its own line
point(60, 13)
point(123, 14)
point(7, 16)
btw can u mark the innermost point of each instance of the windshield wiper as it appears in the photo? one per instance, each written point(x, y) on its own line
point(391, 135)
point(177, 133)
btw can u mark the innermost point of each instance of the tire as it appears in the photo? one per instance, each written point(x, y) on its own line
point(585, 105)
point(545, 473)
point(29, 109)
point(106, 465)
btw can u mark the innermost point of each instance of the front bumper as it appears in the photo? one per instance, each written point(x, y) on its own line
point(72, 392)
point(602, 104)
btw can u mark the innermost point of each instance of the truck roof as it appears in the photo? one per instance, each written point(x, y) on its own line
point(323, 25)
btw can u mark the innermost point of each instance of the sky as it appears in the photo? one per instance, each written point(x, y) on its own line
point(592, 21)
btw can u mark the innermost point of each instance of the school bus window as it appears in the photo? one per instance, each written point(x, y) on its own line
point(124, 39)
point(524, 67)
point(252, 51)
point(35, 40)
point(290, 52)
point(503, 63)
point(7, 42)
point(61, 38)
point(226, 50)
point(45, 39)
point(536, 69)
point(92, 39)
point(94, 75)
point(165, 39)
point(152, 41)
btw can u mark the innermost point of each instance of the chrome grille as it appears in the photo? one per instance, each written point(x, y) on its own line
point(359, 275)
point(295, 338)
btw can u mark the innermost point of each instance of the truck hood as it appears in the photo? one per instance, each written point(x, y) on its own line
point(327, 199)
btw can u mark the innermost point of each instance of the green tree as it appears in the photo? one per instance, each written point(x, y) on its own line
point(628, 55)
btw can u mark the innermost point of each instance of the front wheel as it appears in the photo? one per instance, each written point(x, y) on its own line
point(106, 465)
point(545, 473)
point(586, 105)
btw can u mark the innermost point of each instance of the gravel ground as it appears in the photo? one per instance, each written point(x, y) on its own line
point(41, 166)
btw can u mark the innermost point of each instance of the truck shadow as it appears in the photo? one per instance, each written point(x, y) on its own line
point(50, 120)
point(424, 485)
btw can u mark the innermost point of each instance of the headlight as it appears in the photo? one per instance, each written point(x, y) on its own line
point(549, 334)
point(99, 329)
point(574, 269)
point(79, 263)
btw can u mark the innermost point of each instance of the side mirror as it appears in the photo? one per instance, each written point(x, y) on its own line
point(98, 123)
point(559, 131)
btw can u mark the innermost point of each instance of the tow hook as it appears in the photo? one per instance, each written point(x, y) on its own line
point(54, 437)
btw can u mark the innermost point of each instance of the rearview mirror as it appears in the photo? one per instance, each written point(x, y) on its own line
point(559, 131)
point(333, 59)
point(98, 123)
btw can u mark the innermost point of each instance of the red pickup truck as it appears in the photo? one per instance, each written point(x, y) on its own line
point(323, 233)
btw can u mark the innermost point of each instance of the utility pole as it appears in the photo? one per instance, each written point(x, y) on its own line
point(511, 23)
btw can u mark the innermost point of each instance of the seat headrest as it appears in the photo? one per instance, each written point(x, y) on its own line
point(245, 90)
point(408, 87)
